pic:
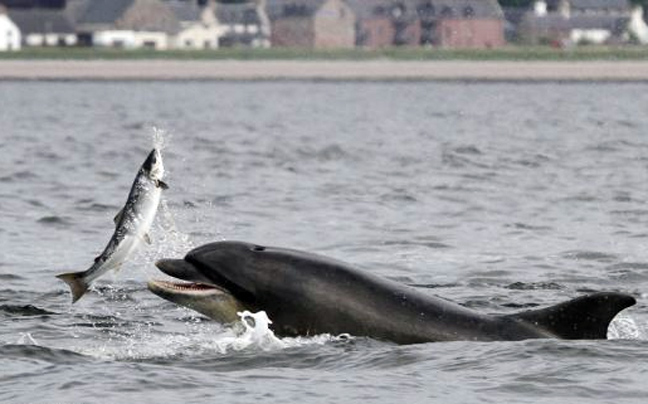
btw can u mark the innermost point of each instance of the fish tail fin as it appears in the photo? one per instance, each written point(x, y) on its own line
point(76, 282)
point(586, 317)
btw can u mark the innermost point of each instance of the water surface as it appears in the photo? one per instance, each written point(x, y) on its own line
point(500, 197)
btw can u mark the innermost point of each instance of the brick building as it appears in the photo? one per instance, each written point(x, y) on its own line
point(312, 23)
point(438, 23)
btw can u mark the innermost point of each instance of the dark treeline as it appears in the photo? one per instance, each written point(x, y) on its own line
point(33, 3)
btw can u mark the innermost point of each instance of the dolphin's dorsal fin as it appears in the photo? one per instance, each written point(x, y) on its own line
point(586, 317)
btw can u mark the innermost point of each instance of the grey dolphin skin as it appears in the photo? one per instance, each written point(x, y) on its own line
point(308, 294)
point(132, 225)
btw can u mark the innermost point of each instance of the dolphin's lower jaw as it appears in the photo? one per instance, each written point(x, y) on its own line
point(210, 300)
point(188, 288)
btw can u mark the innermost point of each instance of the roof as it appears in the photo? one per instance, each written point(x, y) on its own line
point(237, 13)
point(105, 11)
point(137, 15)
point(293, 8)
point(427, 9)
point(185, 10)
point(42, 20)
point(594, 4)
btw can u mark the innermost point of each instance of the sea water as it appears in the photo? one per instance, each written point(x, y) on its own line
point(500, 197)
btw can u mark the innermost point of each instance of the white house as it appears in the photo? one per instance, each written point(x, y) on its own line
point(9, 33)
point(44, 27)
point(199, 28)
point(577, 21)
point(127, 24)
point(128, 39)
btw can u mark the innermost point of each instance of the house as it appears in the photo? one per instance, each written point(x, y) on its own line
point(10, 37)
point(127, 24)
point(579, 21)
point(436, 23)
point(199, 28)
point(312, 23)
point(244, 24)
point(44, 26)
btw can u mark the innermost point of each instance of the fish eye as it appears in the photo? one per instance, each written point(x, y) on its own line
point(258, 248)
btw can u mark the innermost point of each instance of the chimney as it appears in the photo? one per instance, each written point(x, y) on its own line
point(564, 9)
point(540, 8)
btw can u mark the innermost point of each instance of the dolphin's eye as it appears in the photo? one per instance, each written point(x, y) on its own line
point(258, 248)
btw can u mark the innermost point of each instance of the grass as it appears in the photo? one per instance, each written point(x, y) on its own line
point(507, 53)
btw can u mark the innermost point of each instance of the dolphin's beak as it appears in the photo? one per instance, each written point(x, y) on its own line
point(181, 269)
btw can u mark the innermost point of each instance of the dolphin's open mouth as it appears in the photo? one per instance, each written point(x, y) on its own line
point(184, 287)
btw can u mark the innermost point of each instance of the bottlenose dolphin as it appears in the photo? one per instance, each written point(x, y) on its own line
point(307, 294)
point(132, 225)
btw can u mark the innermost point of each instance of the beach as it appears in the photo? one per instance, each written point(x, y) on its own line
point(448, 70)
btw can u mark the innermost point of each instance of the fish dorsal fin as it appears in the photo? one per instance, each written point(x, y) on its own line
point(118, 216)
point(586, 317)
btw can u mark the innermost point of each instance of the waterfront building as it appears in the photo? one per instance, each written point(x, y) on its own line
point(10, 36)
point(433, 23)
point(312, 23)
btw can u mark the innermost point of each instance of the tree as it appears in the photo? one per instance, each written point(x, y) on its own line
point(517, 3)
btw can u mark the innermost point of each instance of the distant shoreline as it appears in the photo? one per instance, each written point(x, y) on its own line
point(372, 70)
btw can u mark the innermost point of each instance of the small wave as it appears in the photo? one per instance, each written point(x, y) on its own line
point(54, 221)
point(534, 286)
point(26, 310)
point(399, 195)
point(524, 226)
point(589, 256)
point(328, 153)
point(10, 277)
point(97, 207)
point(40, 353)
point(630, 212)
point(433, 285)
point(428, 244)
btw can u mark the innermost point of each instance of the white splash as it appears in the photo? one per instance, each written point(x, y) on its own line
point(251, 334)
point(27, 339)
point(257, 335)
point(160, 138)
point(625, 327)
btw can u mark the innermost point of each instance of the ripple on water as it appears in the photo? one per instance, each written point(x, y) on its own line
point(534, 286)
point(55, 221)
point(582, 255)
point(38, 353)
point(23, 310)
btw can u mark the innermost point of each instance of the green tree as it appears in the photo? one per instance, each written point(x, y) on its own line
point(517, 3)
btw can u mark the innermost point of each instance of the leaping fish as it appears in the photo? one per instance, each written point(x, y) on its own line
point(132, 225)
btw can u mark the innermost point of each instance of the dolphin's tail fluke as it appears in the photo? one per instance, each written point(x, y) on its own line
point(77, 283)
point(586, 317)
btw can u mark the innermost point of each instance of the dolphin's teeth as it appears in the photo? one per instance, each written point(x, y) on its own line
point(187, 286)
